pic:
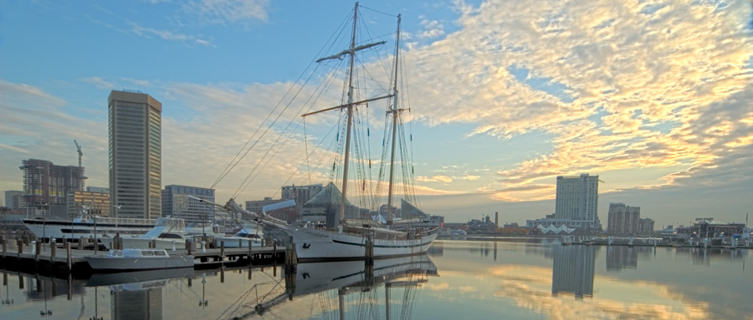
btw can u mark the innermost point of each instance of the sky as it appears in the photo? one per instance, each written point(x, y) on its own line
point(655, 97)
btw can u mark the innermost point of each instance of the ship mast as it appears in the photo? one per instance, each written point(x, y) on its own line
point(394, 112)
point(348, 106)
point(341, 212)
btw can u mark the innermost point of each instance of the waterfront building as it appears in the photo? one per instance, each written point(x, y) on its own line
point(707, 227)
point(573, 270)
point(623, 219)
point(46, 186)
point(86, 202)
point(256, 205)
point(646, 226)
point(180, 202)
point(577, 200)
point(323, 207)
point(97, 189)
point(135, 154)
point(13, 199)
point(300, 194)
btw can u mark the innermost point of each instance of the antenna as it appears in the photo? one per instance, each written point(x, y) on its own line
point(80, 154)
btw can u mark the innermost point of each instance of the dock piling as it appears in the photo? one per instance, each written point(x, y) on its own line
point(52, 251)
point(5, 247)
point(68, 258)
point(20, 246)
point(369, 250)
point(37, 249)
point(291, 257)
point(222, 251)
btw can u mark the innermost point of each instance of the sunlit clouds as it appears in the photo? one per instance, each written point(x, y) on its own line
point(647, 95)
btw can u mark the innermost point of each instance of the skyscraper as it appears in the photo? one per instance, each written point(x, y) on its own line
point(623, 220)
point(135, 154)
point(577, 199)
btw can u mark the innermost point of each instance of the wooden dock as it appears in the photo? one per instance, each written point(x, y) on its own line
point(63, 259)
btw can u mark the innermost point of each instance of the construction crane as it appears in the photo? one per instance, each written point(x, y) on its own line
point(80, 154)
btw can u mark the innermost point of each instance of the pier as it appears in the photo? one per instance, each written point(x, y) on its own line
point(66, 258)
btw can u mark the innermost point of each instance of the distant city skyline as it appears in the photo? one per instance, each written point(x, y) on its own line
point(655, 99)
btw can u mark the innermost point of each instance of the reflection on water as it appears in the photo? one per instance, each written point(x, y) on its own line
point(573, 270)
point(458, 280)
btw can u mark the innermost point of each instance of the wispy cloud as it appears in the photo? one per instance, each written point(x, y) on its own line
point(432, 29)
point(228, 11)
point(98, 82)
point(149, 33)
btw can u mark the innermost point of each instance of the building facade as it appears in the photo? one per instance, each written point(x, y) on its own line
point(89, 203)
point(179, 202)
point(623, 219)
point(577, 201)
point(13, 199)
point(646, 226)
point(300, 194)
point(46, 186)
point(135, 154)
point(97, 189)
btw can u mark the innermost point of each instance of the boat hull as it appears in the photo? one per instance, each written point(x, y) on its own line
point(321, 245)
point(105, 263)
point(60, 229)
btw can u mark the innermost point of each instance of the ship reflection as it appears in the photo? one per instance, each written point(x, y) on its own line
point(350, 277)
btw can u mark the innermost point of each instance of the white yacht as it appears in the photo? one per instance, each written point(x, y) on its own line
point(166, 233)
point(85, 226)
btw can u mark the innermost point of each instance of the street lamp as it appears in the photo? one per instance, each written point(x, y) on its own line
point(116, 208)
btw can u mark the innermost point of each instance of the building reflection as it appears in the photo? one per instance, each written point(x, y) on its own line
point(142, 300)
point(621, 257)
point(573, 270)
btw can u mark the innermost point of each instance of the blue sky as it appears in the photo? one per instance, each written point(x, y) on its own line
point(652, 96)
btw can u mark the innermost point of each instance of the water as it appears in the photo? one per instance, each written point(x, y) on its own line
point(458, 280)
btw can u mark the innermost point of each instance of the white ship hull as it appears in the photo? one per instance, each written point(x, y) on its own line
point(322, 245)
point(67, 229)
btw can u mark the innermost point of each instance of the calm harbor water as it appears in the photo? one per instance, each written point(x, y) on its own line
point(457, 280)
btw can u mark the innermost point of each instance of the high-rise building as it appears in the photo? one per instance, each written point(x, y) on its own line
point(180, 202)
point(13, 199)
point(646, 226)
point(623, 219)
point(46, 186)
point(135, 154)
point(577, 200)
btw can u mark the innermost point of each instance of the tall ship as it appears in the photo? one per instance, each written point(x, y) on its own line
point(358, 238)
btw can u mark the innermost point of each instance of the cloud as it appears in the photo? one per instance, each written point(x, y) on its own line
point(34, 125)
point(228, 11)
point(643, 85)
point(99, 82)
point(432, 29)
point(440, 179)
point(148, 33)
